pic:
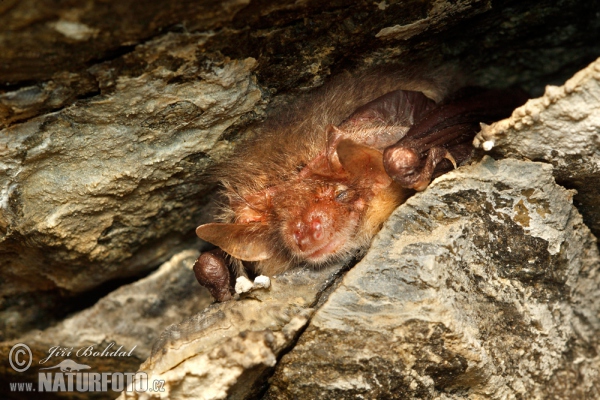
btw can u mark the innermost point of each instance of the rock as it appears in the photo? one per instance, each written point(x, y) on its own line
point(131, 317)
point(562, 128)
point(108, 125)
point(46, 49)
point(228, 350)
point(111, 187)
point(486, 285)
point(31, 101)
point(41, 38)
point(110, 114)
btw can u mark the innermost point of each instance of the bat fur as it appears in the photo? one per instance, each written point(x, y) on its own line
point(309, 186)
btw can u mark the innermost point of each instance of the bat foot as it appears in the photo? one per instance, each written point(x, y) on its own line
point(411, 170)
point(212, 272)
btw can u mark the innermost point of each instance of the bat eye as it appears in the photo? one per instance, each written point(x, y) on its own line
point(342, 194)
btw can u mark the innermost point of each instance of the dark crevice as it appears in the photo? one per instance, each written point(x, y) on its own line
point(113, 54)
point(63, 304)
point(261, 385)
point(13, 87)
point(87, 299)
point(108, 56)
point(85, 96)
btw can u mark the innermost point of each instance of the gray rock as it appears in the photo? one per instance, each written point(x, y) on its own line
point(486, 285)
point(39, 38)
point(562, 128)
point(108, 126)
point(104, 140)
point(228, 350)
point(131, 318)
point(112, 186)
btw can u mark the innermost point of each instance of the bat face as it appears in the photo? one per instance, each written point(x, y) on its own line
point(320, 219)
point(316, 217)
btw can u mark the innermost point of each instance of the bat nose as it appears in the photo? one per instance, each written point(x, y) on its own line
point(316, 229)
point(308, 234)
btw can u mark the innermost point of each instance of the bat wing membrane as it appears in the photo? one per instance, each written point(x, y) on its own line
point(400, 107)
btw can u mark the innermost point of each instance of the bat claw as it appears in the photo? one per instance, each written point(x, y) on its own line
point(449, 157)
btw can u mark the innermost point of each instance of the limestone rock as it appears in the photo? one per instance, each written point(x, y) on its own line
point(111, 112)
point(111, 186)
point(562, 128)
point(132, 317)
point(40, 37)
point(228, 350)
point(486, 285)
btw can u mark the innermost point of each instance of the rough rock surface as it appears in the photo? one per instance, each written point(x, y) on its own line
point(111, 187)
point(562, 128)
point(486, 285)
point(132, 317)
point(110, 112)
point(42, 37)
point(227, 350)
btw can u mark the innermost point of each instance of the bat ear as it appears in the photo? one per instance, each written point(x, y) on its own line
point(362, 161)
point(334, 135)
point(244, 241)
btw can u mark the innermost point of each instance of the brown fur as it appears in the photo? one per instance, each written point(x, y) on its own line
point(285, 153)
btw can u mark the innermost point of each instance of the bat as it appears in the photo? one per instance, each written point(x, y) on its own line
point(315, 184)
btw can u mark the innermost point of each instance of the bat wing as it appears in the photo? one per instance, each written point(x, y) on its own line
point(244, 241)
point(400, 107)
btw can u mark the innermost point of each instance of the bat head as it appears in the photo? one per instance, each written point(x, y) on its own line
point(314, 217)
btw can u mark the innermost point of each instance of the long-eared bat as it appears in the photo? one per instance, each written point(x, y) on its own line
point(316, 183)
